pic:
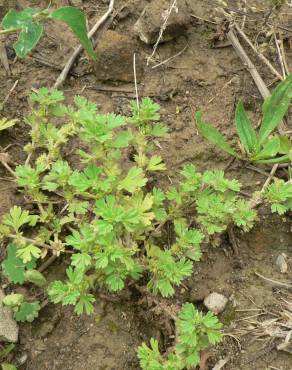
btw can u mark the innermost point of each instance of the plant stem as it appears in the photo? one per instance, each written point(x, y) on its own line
point(9, 30)
point(35, 242)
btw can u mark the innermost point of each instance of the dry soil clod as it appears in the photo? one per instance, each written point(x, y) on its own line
point(155, 19)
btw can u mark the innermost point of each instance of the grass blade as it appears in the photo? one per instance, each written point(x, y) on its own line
point(275, 107)
point(213, 135)
point(279, 160)
point(246, 132)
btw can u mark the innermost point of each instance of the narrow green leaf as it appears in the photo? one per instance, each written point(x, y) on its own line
point(76, 20)
point(284, 159)
point(28, 39)
point(245, 130)
point(6, 123)
point(275, 107)
point(213, 135)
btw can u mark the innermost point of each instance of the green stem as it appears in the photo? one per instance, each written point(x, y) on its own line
point(35, 242)
point(9, 30)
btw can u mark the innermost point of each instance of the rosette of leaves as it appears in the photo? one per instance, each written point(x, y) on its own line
point(263, 146)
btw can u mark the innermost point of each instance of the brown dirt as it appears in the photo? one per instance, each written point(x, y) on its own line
point(205, 78)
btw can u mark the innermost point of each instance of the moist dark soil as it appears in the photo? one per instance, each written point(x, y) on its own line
point(208, 76)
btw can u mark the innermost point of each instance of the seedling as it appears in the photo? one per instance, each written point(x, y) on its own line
point(102, 210)
point(195, 332)
point(23, 311)
point(259, 147)
point(29, 24)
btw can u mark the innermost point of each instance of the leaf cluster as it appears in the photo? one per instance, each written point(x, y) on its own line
point(29, 24)
point(262, 146)
point(195, 332)
point(102, 208)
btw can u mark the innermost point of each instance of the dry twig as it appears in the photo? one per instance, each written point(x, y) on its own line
point(170, 58)
point(135, 79)
point(259, 54)
point(275, 282)
point(162, 29)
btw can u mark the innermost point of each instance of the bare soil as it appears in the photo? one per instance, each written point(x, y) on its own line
point(207, 76)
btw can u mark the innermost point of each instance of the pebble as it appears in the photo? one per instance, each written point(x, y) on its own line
point(154, 17)
point(281, 262)
point(215, 302)
point(8, 326)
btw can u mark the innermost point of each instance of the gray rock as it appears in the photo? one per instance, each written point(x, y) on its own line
point(215, 302)
point(76, 2)
point(281, 262)
point(8, 326)
point(154, 16)
point(115, 58)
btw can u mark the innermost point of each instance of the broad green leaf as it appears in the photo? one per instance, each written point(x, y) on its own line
point(35, 277)
point(17, 218)
point(19, 20)
point(76, 20)
point(13, 300)
point(27, 312)
point(6, 366)
point(285, 145)
point(156, 164)
point(213, 135)
point(270, 149)
point(122, 140)
point(28, 39)
point(13, 266)
point(28, 253)
point(85, 304)
point(245, 130)
point(81, 260)
point(275, 107)
point(134, 180)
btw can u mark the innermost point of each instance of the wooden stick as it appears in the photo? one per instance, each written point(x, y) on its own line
point(62, 77)
point(264, 91)
point(135, 79)
point(275, 282)
point(280, 56)
point(259, 54)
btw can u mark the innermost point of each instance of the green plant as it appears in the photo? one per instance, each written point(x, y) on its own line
point(6, 366)
point(279, 195)
point(29, 24)
point(100, 208)
point(259, 147)
point(23, 311)
point(194, 333)
point(6, 123)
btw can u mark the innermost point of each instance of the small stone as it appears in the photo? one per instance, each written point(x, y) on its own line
point(215, 302)
point(281, 262)
point(76, 2)
point(154, 17)
point(22, 359)
point(115, 58)
point(8, 326)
